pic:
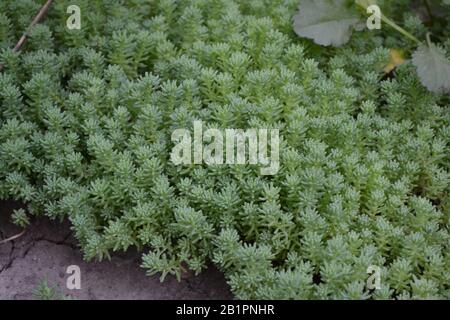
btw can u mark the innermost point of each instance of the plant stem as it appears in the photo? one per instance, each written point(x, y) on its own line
point(393, 25)
point(429, 39)
point(399, 29)
point(427, 5)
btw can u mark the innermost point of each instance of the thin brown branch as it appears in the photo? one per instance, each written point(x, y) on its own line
point(13, 237)
point(35, 21)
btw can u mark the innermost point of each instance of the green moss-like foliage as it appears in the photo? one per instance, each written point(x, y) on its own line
point(86, 120)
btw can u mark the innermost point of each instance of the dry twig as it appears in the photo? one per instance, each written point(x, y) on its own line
point(13, 237)
point(35, 21)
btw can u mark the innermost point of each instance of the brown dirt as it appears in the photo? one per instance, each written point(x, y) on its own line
point(48, 248)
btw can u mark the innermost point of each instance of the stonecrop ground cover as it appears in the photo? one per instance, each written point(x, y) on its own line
point(86, 123)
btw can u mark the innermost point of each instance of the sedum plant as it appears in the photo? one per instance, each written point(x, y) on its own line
point(45, 291)
point(87, 116)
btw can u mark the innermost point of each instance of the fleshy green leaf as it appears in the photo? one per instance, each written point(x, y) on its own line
point(433, 68)
point(327, 22)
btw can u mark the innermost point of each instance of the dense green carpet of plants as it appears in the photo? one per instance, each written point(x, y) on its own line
point(87, 116)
